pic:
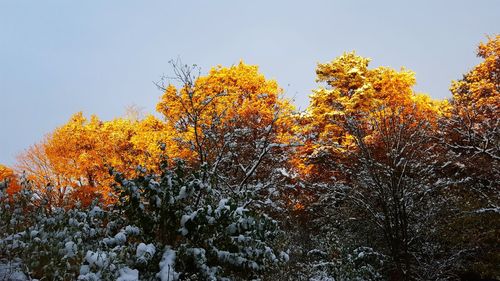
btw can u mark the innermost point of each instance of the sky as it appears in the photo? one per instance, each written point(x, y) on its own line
point(99, 57)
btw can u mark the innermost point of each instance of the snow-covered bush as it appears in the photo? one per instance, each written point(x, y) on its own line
point(50, 242)
point(169, 226)
point(210, 235)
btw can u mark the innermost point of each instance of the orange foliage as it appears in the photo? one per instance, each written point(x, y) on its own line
point(478, 91)
point(229, 109)
point(354, 91)
point(7, 176)
point(233, 110)
point(235, 101)
point(77, 156)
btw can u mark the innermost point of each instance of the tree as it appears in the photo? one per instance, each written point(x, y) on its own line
point(232, 121)
point(368, 153)
point(470, 136)
point(75, 159)
point(355, 90)
point(391, 180)
point(479, 89)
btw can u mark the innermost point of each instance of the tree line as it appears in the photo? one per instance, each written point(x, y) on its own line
point(373, 181)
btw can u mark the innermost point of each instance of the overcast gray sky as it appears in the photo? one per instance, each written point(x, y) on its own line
point(60, 57)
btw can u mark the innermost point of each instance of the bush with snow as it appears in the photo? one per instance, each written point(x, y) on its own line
point(170, 226)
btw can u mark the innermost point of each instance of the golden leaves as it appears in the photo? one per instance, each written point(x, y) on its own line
point(79, 153)
point(202, 112)
point(8, 177)
point(226, 98)
point(480, 87)
point(351, 89)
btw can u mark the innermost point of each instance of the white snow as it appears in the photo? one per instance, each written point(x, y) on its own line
point(186, 218)
point(12, 271)
point(96, 211)
point(128, 274)
point(167, 263)
point(240, 210)
point(145, 252)
point(222, 206)
point(84, 269)
point(120, 238)
point(98, 259)
point(70, 249)
point(132, 230)
point(182, 193)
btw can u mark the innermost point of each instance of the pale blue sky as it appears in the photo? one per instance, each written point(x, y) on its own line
point(60, 57)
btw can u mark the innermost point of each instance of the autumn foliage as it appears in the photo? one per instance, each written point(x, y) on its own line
point(8, 177)
point(350, 89)
point(209, 116)
point(231, 120)
point(77, 156)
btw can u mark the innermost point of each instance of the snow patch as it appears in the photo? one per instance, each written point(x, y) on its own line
point(167, 263)
point(128, 274)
